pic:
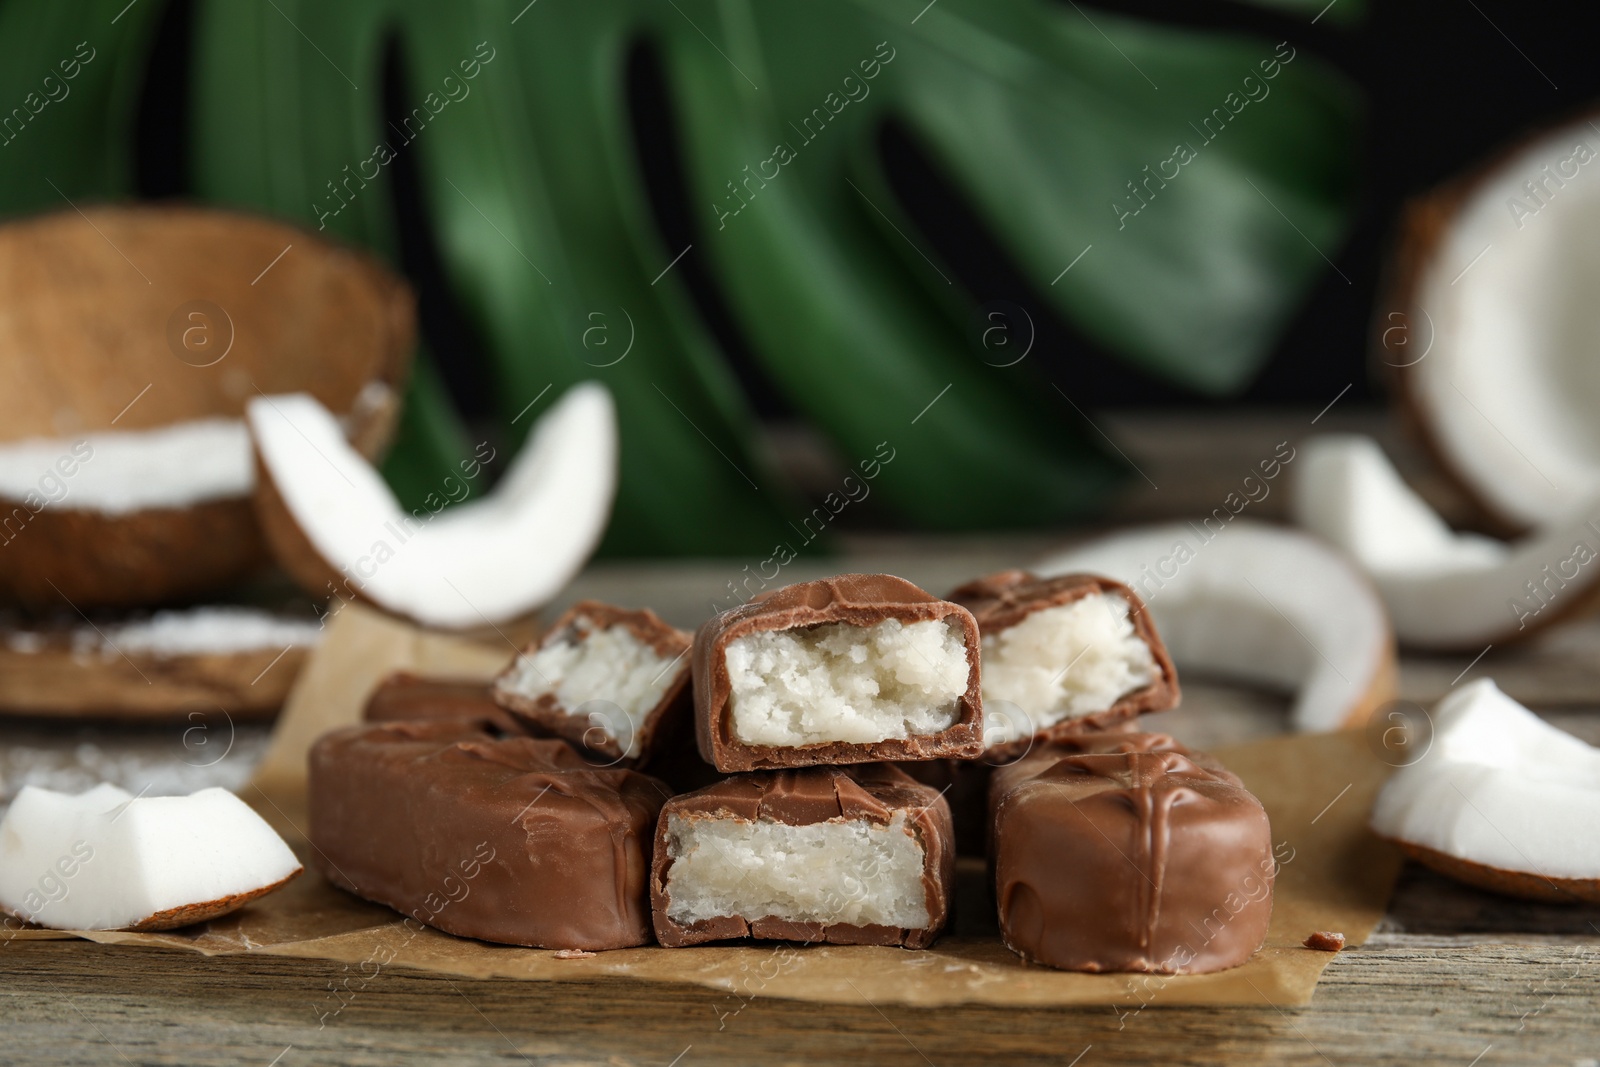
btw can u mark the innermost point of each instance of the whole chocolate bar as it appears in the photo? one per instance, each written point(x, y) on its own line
point(611, 680)
point(1137, 860)
point(846, 855)
point(1064, 655)
point(508, 839)
point(403, 697)
point(851, 669)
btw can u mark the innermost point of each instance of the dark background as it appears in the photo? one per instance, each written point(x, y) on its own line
point(1445, 84)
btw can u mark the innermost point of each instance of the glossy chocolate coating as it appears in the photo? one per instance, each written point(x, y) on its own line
point(855, 599)
point(1000, 601)
point(1131, 861)
point(664, 726)
point(508, 839)
point(874, 792)
point(406, 697)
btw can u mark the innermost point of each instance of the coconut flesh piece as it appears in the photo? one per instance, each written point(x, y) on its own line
point(107, 860)
point(1498, 363)
point(841, 682)
point(764, 868)
point(1444, 590)
point(1261, 604)
point(1514, 800)
point(206, 630)
point(120, 472)
point(481, 561)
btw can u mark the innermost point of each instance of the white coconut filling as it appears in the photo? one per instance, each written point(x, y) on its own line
point(841, 871)
point(838, 682)
point(596, 674)
point(1064, 663)
point(124, 471)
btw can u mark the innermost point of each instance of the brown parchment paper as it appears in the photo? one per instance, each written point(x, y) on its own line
point(1333, 875)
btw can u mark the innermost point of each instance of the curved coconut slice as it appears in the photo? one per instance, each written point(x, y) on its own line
point(1501, 800)
point(107, 860)
point(131, 339)
point(1258, 603)
point(1444, 590)
point(1492, 328)
point(334, 525)
point(226, 658)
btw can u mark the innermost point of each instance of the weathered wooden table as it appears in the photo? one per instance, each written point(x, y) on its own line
point(1453, 976)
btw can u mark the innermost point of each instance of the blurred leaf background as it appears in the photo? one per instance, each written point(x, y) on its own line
point(597, 177)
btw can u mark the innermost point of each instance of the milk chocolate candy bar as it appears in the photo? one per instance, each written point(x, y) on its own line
point(403, 696)
point(852, 669)
point(1102, 742)
point(1064, 655)
point(845, 855)
point(610, 680)
point(508, 839)
point(1130, 861)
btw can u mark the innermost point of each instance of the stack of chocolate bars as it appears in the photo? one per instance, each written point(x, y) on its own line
point(788, 772)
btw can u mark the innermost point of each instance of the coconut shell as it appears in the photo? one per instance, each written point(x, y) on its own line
point(1523, 884)
point(92, 339)
point(57, 682)
point(189, 914)
point(1424, 223)
point(90, 559)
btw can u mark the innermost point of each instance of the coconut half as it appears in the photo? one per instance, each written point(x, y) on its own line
point(337, 529)
point(1501, 800)
point(236, 660)
point(131, 339)
point(1261, 604)
point(1490, 327)
point(1444, 590)
point(107, 860)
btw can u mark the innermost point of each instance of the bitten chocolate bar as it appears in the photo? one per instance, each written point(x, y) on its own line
point(508, 839)
point(610, 680)
point(851, 669)
point(1133, 860)
point(846, 855)
point(406, 697)
point(1064, 655)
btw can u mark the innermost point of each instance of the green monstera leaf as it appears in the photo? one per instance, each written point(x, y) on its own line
point(1166, 190)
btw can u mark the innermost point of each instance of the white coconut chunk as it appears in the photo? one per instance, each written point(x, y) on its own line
point(208, 630)
point(1501, 331)
point(122, 471)
point(1499, 787)
point(839, 682)
point(1444, 590)
point(840, 871)
point(216, 629)
point(1065, 662)
point(1258, 603)
point(485, 560)
point(107, 860)
point(608, 666)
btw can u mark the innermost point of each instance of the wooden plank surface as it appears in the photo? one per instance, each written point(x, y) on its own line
point(1453, 976)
